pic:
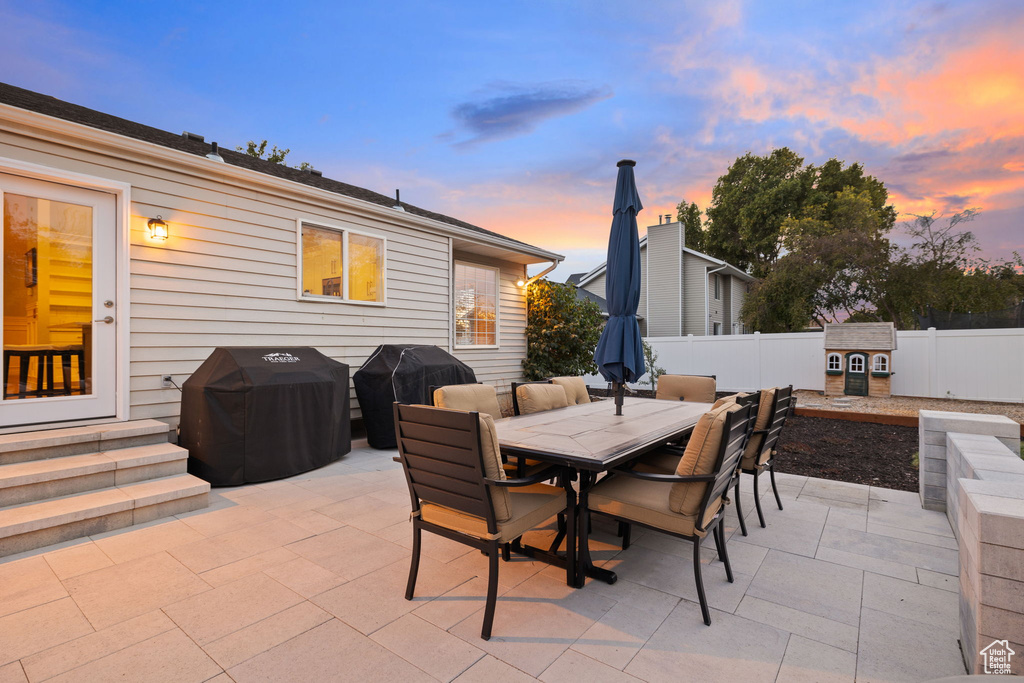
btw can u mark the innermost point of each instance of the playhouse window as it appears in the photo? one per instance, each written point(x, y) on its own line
point(856, 364)
point(835, 362)
point(880, 363)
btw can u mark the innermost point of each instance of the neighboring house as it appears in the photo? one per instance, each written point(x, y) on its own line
point(682, 291)
point(253, 254)
point(858, 359)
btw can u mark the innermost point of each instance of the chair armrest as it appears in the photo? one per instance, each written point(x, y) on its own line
point(665, 478)
point(525, 481)
point(396, 459)
point(760, 431)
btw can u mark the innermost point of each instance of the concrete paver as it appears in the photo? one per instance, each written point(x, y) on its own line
point(305, 579)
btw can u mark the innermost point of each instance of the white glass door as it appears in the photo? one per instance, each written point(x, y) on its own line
point(59, 320)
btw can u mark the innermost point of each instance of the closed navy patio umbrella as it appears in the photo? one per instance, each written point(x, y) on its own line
point(620, 354)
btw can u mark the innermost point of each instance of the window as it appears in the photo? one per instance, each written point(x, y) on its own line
point(716, 281)
point(880, 363)
point(341, 264)
point(476, 305)
point(835, 363)
point(717, 329)
point(856, 364)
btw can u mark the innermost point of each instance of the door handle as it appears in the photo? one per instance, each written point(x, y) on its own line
point(106, 319)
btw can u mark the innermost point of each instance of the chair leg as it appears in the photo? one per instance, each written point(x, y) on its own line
point(723, 552)
point(492, 592)
point(414, 566)
point(757, 500)
point(700, 582)
point(775, 490)
point(560, 536)
point(619, 530)
point(739, 508)
point(627, 528)
point(506, 552)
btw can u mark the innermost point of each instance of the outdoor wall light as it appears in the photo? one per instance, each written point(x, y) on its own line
point(157, 228)
point(520, 282)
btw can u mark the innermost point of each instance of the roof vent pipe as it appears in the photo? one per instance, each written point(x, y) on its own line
point(398, 202)
point(214, 154)
point(192, 136)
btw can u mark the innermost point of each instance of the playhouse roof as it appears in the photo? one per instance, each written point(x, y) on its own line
point(860, 336)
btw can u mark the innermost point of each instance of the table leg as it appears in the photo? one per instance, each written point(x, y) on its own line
point(586, 563)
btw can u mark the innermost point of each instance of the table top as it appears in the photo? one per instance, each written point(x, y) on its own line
point(590, 436)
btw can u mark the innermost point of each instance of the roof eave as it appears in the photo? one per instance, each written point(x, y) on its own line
point(199, 164)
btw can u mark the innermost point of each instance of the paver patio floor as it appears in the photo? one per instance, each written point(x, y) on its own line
point(304, 579)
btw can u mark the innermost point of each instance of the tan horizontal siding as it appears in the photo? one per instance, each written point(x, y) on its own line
point(228, 274)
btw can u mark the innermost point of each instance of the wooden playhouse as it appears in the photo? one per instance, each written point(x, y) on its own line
point(858, 359)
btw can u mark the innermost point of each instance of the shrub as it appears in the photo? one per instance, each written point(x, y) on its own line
point(561, 331)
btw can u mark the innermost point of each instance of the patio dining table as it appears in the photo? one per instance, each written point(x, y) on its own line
point(588, 439)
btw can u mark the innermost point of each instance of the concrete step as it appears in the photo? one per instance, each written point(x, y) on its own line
point(34, 525)
point(57, 443)
point(33, 480)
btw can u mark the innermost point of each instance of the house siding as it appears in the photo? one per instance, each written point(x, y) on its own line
point(228, 273)
point(739, 296)
point(664, 261)
point(694, 291)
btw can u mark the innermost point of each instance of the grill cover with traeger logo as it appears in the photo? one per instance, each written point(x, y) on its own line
point(403, 373)
point(253, 414)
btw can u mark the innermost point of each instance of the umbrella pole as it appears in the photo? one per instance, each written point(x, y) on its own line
point(620, 391)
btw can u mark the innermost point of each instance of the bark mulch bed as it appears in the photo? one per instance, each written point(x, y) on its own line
point(857, 452)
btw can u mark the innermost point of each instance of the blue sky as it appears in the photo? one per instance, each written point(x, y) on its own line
point(513, 115)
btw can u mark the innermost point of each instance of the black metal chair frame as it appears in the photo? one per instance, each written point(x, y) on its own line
point(515, 399)
point(719, 483)
point(781, 405)
point(442, 457)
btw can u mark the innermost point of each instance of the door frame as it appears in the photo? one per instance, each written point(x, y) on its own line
point(846, 377)
point(122, 307)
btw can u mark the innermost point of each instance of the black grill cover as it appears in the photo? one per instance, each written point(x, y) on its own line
point(253, 414)
point(403, 373)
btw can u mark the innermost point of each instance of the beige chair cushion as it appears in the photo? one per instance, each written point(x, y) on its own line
point(468, 397)
point(699, 458)
point(532, 467)
point(531, 506)
point(729, 399)
point(752, 455)
point(536, 398)
point(687, 388)
point(493, 468)
point(645, 502)
point(575, 389)
point(658, 462)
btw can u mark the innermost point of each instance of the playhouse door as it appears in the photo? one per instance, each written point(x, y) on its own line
point(856, 375)
point(59, 285)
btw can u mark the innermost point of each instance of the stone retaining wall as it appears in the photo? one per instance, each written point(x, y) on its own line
point(982, 492)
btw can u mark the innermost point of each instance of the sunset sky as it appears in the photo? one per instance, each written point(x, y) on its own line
point(512, 115)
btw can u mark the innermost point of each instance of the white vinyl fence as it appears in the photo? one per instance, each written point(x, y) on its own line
point(969, 364)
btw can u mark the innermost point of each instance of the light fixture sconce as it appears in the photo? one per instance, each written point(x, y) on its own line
point(520, 282)
point(157, 228)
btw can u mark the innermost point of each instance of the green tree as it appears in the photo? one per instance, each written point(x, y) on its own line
point(688, 213)
point(759, 197)
point(259, 149)
point(562, 331)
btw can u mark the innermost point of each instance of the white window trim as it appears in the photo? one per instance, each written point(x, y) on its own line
point(874, 362)
point(497, 307)
point(345, 230)
point(839, 362)
point(863, 360)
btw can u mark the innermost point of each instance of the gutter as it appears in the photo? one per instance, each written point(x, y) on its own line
point(527, 283)
point(707, 295)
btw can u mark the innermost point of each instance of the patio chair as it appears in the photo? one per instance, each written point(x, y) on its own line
point(759, 454)
point(536, 397)
point(483, 398)
point(666, 460)
point(695, 502)
point(697, 388)
point(575, 389)
point(459, 490)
